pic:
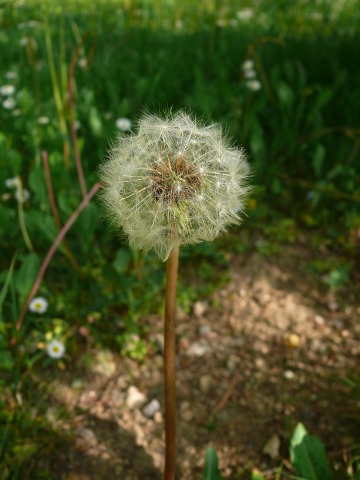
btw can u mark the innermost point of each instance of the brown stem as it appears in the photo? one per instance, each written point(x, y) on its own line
point(169, 364)
point(52, 250)
point(78, 163)
point(54, 210)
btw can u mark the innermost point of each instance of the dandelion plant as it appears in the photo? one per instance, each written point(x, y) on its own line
point(175, 182)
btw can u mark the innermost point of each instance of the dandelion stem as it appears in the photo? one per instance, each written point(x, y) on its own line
point(169, 364)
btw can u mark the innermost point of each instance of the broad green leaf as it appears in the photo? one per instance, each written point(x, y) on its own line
point(308, 456)
point(211, 471)
point(25, 276)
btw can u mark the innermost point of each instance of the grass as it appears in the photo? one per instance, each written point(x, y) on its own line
point(301, 130)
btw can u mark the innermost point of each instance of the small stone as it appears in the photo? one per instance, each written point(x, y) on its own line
point(272, 447)
point(199, 309)
point(289, 374)
point(333, 306)
point(158, 417)
point(292, 340)
point(242, 292)
point(232, 363)
point(319, 320)
point(151, 408)
point(104, 363)
point(205, 383)
point(204, 330)
point(135, 398)
point(198, 349)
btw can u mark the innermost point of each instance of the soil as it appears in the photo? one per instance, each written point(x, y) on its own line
point(271, 348)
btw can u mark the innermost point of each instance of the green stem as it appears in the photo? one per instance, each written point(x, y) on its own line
point(169, 364)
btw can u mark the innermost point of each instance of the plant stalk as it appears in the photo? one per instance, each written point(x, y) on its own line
point(169, 364)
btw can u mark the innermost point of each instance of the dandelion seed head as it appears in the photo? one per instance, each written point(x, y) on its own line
point(163, 185)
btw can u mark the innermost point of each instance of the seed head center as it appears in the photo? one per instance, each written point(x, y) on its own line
point(175, 179)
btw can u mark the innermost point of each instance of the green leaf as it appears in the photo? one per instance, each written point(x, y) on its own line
point(26, 275)
point(6, 284)
point(87, 223)
point(318, 159)
point(6, 360)
point(122, 260)
point(308, 456)
point(256, 475)
point(211, 471)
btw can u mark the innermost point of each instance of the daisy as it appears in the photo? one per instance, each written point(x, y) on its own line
point(123, 124)
point(7, 89)
point(43, 120)
point(38, 305)
point(249, 74)
point(22, 196)
point(9, 103)
point(253, 85)
point(55, 349)
point(12, 182)
point(11, 75)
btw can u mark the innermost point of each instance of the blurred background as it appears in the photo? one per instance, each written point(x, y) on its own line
point(268, 315)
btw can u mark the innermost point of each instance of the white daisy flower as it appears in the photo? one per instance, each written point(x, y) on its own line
point(248, 64)
point(7, 90)
point(253, 85)
point(55, 349)
point(9, 103)
point(249, 74)
point(43, 120)
point(11, 75)
point(123, 124)
point(245, 14)
point(12, 182)
point(22, 196)
point(82, 62)
point(38, 305)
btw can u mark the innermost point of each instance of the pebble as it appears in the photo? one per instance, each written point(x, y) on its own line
point(198, 349)
point(292, 340)
point(135, 398)
point(152, 408)
point(205, 383)
point(204, 330)
point(319, 320)
point(272, 447)
point(199, 309)
point(289, 374)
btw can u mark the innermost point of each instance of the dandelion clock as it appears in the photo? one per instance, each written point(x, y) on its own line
point(175, 182)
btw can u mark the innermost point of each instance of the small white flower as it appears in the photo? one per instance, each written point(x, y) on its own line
point(38, 305)
point(23, 196)
point(9, 103)
point(55, 349)
point(253, 85)
point(248, 64)
point(11, 75)
point(24, 41)
point(245, 14)
point(82, 62)
point(123, 124)
point(43, 120)
point(7, 90)
point(12, 182)
point(249, 74)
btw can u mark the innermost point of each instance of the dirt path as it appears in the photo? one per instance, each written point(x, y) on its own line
point(272, 349)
